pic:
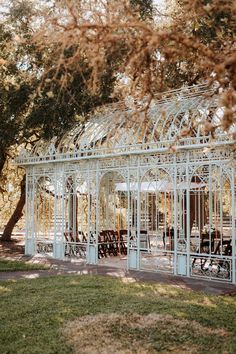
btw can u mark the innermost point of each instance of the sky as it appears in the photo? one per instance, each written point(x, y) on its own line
point(160, 3)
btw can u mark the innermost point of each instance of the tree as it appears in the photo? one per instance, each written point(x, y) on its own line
point(14, 93)
point(211, 23)
point(194, 45)
point(17, 214)
point(35, 106)
point(69, 63)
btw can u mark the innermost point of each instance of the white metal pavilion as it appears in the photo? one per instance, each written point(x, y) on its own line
point(114, 188)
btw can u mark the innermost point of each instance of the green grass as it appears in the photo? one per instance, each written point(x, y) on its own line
point(12, 266)
point(42, 316)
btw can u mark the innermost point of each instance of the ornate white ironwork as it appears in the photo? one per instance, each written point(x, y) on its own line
point(115, 188)
point(44, 248)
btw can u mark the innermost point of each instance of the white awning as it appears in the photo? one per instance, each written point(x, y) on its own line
point(157, 186)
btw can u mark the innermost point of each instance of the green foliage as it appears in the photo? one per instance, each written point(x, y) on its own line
point(209, 22)
point(41, 308)
point(29, 105)
point(214, 22)
point(55, 108)
point(145, 8)
point(14, 95)
point(50, 111)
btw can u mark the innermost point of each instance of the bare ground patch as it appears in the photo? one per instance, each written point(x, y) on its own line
point(141, 334)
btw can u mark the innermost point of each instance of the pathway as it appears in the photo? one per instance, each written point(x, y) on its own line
point(78, 268)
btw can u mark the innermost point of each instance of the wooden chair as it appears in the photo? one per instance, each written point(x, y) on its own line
point(113, 236)
point(223, 248)
point(123, 236)
point(102, 250)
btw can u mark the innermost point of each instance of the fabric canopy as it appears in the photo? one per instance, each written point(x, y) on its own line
point(160, 186)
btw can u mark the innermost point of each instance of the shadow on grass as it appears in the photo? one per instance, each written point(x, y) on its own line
point(12, 247)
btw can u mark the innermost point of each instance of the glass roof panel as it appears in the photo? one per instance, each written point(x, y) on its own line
point(119, 125)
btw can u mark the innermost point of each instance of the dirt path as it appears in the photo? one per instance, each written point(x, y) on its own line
point(15, 250)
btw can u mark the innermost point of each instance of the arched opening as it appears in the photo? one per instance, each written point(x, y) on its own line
point(156, 221)
point(113, 220)
point(76, 217)
point(44, 215)
point(211, 223)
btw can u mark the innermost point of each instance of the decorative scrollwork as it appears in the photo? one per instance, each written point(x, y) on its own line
point(23, 153)
point(181, 245)
point(44, 247)
point(51, 149)
point(213, 268)
point(75, 250)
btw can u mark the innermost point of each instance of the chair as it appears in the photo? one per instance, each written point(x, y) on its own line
point(74, 246)
point(123, 235)
point(102, 247)
point(114, 242)
point(220, 267)
point(108, 242)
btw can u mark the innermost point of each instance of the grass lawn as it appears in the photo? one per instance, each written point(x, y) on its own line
point(95, 314)
point(9, 265)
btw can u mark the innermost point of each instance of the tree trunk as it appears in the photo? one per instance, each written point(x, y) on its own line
point(17, 214)
point(2, 162)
